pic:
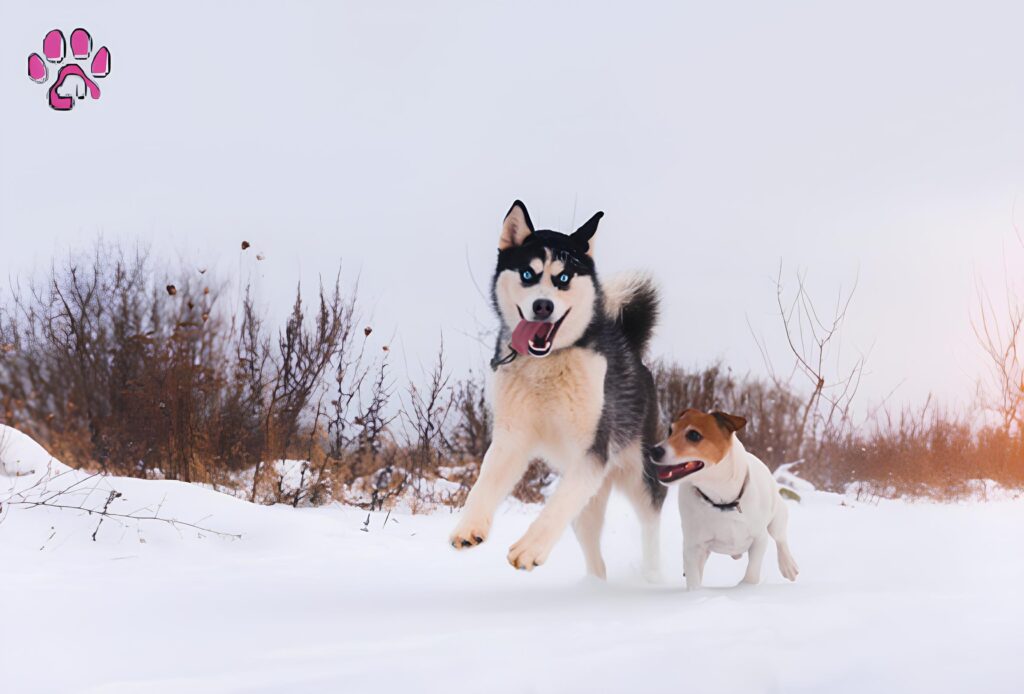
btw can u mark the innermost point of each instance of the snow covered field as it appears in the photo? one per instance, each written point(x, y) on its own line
point(892, 597)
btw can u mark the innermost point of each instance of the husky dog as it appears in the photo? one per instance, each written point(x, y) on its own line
point(570, 388)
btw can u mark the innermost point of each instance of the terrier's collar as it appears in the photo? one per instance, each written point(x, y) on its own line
point(732, 505)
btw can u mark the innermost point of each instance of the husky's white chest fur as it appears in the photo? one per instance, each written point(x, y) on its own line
point(555, 403)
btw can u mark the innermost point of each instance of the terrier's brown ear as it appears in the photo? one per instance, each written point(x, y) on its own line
point(730, 422)
point(516, 228)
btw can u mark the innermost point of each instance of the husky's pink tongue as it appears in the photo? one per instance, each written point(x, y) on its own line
point(528, 331)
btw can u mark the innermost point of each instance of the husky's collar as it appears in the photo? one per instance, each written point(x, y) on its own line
point(507, 359)
point(732, 505)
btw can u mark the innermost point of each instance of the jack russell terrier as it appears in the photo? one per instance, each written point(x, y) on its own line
point(729, 502)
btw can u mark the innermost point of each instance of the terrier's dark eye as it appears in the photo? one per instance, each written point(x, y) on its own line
point(694, 436)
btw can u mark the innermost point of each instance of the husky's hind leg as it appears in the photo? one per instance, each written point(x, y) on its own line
point(646, 499)
point(588, 526)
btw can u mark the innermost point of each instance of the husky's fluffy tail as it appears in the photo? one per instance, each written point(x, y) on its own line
point(632, 301)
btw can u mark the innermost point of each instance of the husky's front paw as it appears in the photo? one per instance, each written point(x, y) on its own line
point(469, 533)
point(531, 551)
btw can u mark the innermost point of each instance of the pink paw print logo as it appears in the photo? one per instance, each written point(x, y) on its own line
point(72, 81)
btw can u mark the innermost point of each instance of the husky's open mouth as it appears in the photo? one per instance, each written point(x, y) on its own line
point(671, 473)
point(536, 337)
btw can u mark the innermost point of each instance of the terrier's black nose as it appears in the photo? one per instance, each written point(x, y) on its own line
point(657, 453)
point(543, 308)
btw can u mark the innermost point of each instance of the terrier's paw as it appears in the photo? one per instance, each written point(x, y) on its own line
point(788, 567)
point(469, 533)
point(531, 550)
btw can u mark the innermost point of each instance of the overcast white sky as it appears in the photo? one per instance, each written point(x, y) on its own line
point(884, 139)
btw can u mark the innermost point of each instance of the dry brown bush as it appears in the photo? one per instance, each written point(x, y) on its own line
point(773, 412)
point(925, 453)
point(804, 417)
point(935, 455)
point(119, 364)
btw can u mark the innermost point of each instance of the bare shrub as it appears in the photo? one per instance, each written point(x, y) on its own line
point(120, 365)
point(110, 369)
point(1000, 334)
point(773, 411)
point(925, 453)
point(471, 435)
point(116, 368)
point(425, 413)
point(530, 489)
point(94, 495)
point(303, 355)
point(814, 339)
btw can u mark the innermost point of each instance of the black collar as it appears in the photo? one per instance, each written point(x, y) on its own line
point(732, 505)
point(507, 359)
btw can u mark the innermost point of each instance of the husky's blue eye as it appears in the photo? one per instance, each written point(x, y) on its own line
point(527, 275)
point(564, 278)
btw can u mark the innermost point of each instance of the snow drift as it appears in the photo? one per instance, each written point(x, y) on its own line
point(892, 595)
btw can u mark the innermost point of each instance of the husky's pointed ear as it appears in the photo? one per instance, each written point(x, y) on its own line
point(586, 232)
point(516, 227)
point(729, 422)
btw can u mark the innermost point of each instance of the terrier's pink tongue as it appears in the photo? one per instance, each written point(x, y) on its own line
point(526, 331)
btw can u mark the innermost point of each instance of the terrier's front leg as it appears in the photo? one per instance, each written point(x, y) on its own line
point(754, 556)
point(579, 483)
point(504, 464)
point(694, 559)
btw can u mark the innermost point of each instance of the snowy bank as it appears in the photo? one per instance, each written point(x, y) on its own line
point(892, 595)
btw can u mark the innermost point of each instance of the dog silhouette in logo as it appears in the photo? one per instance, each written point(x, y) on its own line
point(73, 82)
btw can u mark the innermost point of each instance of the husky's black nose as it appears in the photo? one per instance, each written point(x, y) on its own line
point(657, 453)
point(543, 308)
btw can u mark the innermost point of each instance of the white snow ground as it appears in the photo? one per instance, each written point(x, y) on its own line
point(892, 597)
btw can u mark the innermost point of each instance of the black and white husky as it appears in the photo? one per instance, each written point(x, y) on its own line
point(570, 388)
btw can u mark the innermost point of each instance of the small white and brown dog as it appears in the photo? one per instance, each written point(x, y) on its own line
point(729, 502)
